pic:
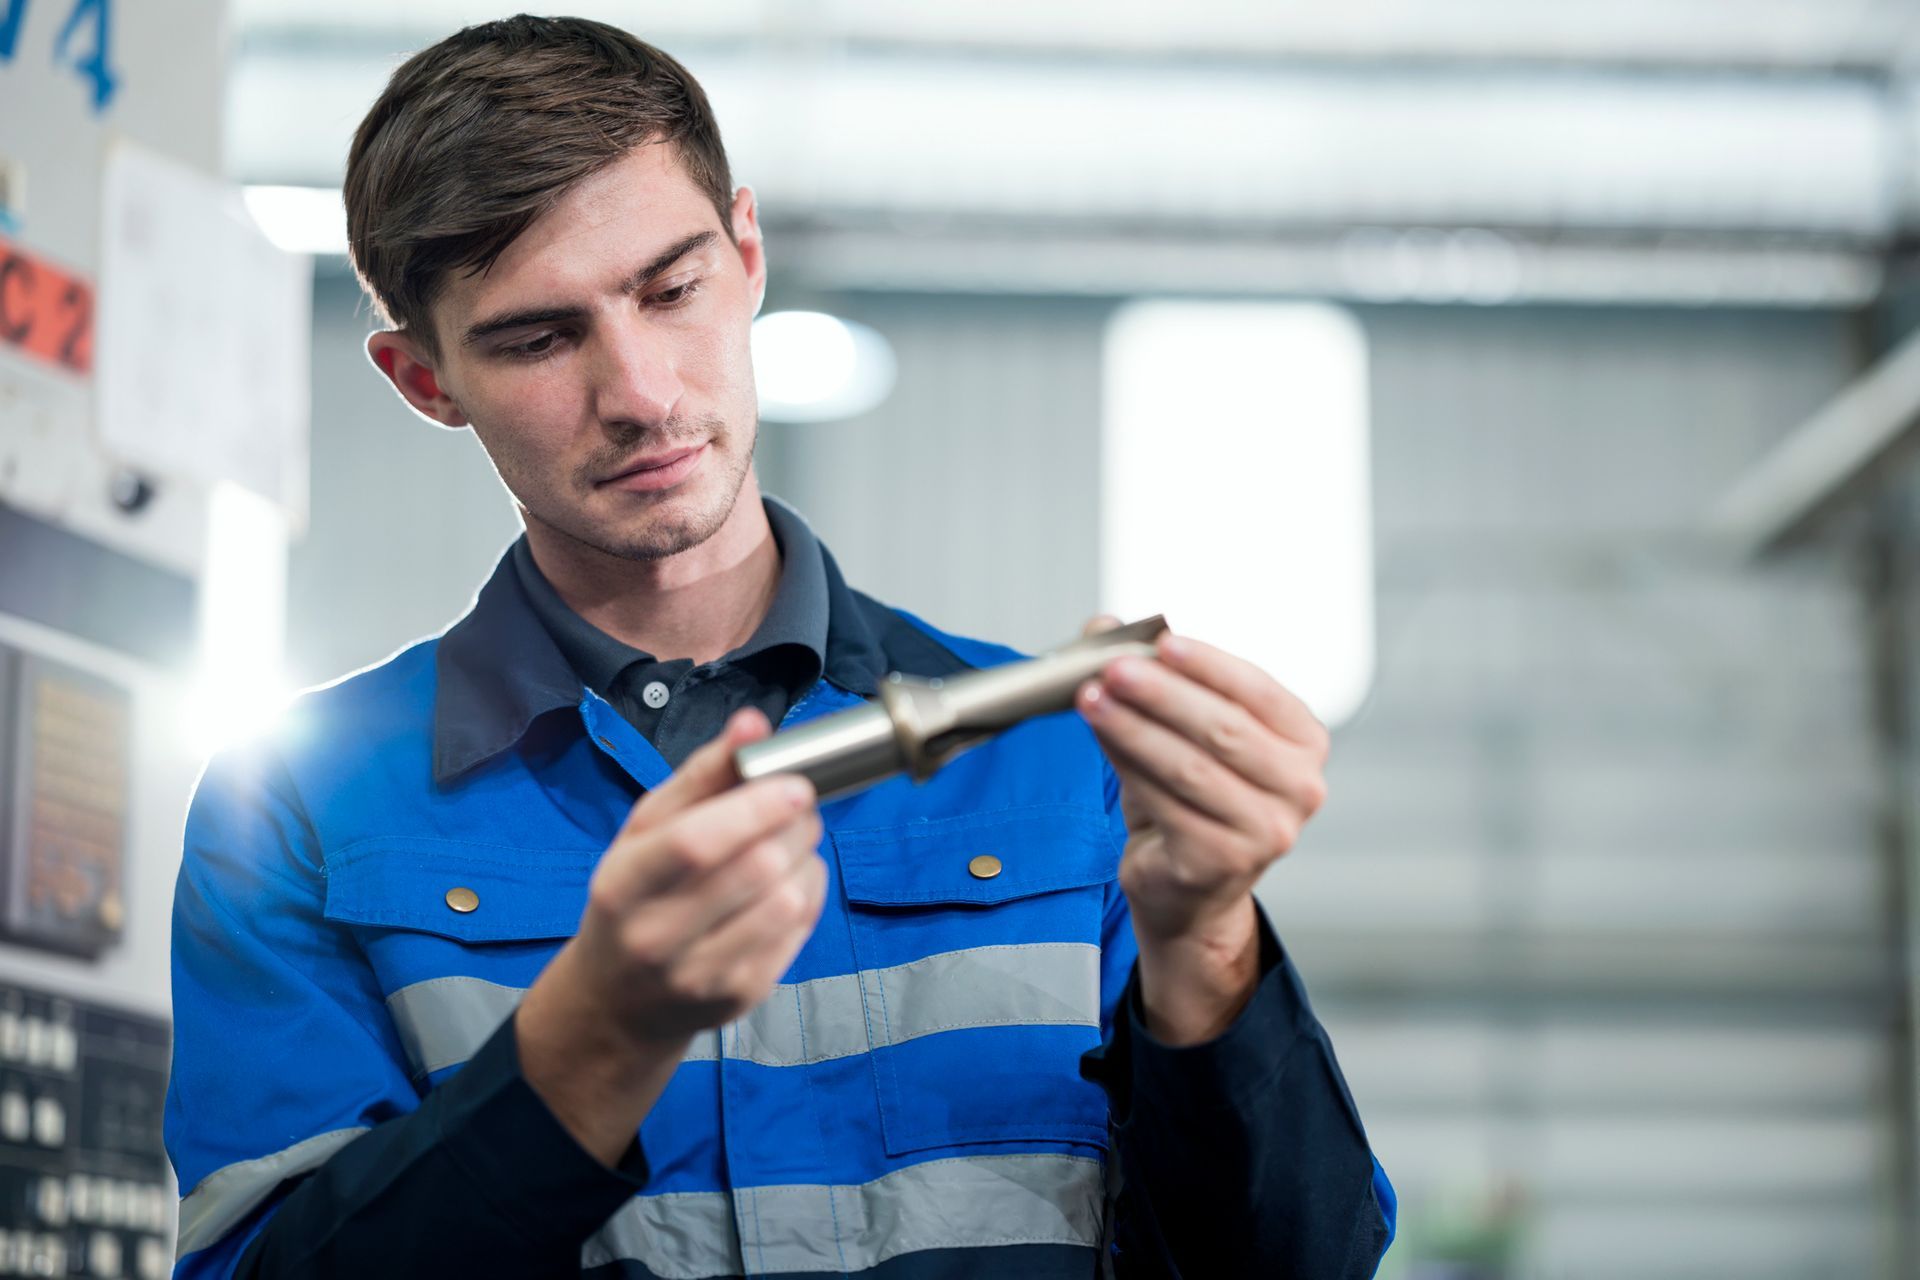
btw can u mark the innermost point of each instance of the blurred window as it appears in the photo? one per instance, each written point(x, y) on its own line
point(1235, 486)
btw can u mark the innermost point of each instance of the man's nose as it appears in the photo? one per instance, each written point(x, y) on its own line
point(634, 378)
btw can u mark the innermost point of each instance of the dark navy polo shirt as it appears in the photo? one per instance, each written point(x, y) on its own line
point(675, 704)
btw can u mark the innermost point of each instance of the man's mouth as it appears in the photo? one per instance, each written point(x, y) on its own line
point(658, 470)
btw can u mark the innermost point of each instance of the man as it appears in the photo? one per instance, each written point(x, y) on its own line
point(487, 964)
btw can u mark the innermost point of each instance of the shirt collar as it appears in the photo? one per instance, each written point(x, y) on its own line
point(797, 615)
point(498, 669)
point(593, 655)
point(501, 666)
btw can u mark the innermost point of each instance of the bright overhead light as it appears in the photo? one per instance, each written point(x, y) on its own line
point(813, 367)
point(300, 219)
point(241, 685)
point(1235, 486)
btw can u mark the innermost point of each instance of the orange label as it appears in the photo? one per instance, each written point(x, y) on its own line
point(45, 312)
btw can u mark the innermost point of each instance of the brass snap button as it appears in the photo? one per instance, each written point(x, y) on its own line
point(462, 899)
point(984, 867)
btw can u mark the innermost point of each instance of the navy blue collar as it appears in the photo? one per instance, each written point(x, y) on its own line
point(499, 668)
point(796, 618)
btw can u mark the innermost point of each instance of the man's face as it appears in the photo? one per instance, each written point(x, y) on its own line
point(604, 363)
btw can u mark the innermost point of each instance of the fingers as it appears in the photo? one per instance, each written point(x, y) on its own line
point(703, 904)
point(1223, 730)
point(707, 772)
point(655, 859)
point(1141, 746)
point(745, 954)
point(1239, 681)
point(1177, 818)
point(705, 896)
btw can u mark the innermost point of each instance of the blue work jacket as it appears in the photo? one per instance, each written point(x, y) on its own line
point(952, 1080)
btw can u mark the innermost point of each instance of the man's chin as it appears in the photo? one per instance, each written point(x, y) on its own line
point(665, 528)
point(659, 544)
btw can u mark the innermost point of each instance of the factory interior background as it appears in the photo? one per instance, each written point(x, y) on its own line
point(1530, 386)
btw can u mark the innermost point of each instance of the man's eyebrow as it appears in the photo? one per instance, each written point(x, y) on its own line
point(639, 280)
point(666, 258)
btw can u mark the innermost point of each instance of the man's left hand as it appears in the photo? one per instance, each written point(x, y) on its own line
point(1220, 767)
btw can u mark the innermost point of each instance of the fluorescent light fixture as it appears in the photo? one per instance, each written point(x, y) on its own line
point(813, 367)
point(241, 684)
point(1235, 486)
point(300, 219)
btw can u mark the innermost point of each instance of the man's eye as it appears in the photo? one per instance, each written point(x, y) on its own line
point(676, 295)
point(533, 347)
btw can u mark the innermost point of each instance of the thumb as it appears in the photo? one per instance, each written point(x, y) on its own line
point(1097, 623)
point(707, 772)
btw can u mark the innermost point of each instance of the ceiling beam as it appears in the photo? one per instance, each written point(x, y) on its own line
point(1851, 447)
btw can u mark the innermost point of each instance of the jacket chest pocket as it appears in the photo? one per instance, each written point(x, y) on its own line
point(978, 945)
point(455, 933)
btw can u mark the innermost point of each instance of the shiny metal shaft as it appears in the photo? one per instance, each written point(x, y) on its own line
point(919, 725)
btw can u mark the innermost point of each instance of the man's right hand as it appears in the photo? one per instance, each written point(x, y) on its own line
point(698, 906)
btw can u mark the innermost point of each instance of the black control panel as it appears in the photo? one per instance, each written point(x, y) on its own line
point(84, 1186)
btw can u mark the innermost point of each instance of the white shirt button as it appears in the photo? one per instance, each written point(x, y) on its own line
point(654, 695)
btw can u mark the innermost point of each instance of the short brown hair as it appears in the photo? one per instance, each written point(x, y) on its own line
point(477, 136)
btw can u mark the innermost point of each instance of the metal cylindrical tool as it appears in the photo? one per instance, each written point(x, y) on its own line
point(919, 725)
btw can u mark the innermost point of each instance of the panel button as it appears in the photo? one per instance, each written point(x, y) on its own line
point(16, 1117)
point(50, 1201)
point(80, 1197)
point(39, 1041)
point(49, 1122)
point(984, 867)
point(103, 1253)
point(65, 1049)
point(462, 899)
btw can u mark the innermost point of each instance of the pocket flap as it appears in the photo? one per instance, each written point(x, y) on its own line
point(511, 894)
point(1040, 848)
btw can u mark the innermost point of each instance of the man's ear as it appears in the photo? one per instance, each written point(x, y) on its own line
point(753, 246)
point(410, 370)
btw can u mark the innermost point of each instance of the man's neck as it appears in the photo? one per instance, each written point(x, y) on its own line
point(702, 603)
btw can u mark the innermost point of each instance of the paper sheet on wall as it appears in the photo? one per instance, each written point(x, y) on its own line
point(202, 342)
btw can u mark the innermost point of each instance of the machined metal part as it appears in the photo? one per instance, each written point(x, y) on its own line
point(919, 725)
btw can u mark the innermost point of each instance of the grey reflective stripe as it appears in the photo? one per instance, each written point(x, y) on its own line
point(219, 1202)
point(679, 1235)
point(1036, 984)
point(967, 1202)
point(1040, 984)
point(445, 1020)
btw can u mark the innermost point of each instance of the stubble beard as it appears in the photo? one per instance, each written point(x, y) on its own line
point(671, 523)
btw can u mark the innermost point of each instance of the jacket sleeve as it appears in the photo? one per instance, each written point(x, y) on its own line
point(291, 1119)
point(1241, 1156)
